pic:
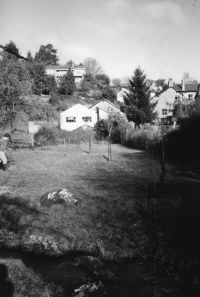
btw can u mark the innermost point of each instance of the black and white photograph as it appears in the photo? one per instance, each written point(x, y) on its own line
point(99, 148)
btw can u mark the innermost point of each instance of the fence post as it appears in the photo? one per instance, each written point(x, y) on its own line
point(32, 140)
point(89, 143)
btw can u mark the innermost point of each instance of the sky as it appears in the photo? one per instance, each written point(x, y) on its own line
point(162, 36)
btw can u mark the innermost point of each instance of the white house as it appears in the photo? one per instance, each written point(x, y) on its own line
point(165, 102)
point(166, 98)
point(121, 94)
point(103, 108)
point(58, 71)
point(77, 116)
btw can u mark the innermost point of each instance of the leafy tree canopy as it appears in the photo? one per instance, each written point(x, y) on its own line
point(46, 55)
point(102, 80)
point(14, 86)
point(137, 105)
point(11, 51)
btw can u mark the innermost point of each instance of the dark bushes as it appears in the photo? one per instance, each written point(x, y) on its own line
point(102, 128)
point(183, 144)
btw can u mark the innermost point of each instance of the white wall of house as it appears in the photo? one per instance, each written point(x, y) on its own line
point(77, 116)
point(165, 103)
point(121, 94)
point(105, 108)
point(60, 71)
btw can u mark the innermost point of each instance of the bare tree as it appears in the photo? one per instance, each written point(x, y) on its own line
point(92, 66)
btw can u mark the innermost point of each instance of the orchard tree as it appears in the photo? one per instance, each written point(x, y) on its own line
point(47, 54)
point(137, 105)
point(14, 86)
point(67, 83)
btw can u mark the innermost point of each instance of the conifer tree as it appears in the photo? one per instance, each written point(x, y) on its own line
point(67, 84)
point(137, 105)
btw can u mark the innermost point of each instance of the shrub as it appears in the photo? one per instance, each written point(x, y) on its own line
point(54, 135)
point(183, 143)
point(145, 138)
point(101, 129)
point(46, 135)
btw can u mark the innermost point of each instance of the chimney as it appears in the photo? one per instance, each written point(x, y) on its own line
point(183, 85)
point(170, 83)
point(97, 111)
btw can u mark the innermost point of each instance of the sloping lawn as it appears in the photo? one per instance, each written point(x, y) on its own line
point(125, 210)
point(106, 194)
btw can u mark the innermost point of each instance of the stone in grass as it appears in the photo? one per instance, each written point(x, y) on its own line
point(58, 197)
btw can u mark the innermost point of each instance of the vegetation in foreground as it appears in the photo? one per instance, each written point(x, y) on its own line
point(123, 212)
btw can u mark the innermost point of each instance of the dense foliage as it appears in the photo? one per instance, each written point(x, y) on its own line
point(14, 85)
point(137, 105)
point(47, 54)
point(67, 83)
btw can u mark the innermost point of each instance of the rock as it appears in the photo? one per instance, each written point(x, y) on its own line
point(58, 197)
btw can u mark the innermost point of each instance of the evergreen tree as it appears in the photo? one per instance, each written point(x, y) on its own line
point(39, 78)
point(11, 51)
point(137, 105)
point(46, 55)
point(88, 83)
point(67, 84)
point(29, 57)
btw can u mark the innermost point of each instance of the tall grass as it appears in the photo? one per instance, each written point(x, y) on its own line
point(145, 138)
point(53, 135)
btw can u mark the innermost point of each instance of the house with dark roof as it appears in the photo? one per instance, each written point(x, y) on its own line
point(187, 90)
point(166, 98)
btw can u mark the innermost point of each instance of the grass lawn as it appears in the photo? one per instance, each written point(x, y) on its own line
point(106, 194)
point(118, 203)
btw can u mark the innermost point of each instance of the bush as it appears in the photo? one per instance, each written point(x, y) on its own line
point(53, 135)
point(101, 129)
point(183, 144)
point(145, 138)
point(46, 135)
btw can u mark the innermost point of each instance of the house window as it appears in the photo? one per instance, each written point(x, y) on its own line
point(70, 119)
point(164, 111)
point(190, 97)
point(87, 119)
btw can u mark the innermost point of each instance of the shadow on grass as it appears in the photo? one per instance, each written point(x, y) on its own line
point(12, 211)
point(156, 217)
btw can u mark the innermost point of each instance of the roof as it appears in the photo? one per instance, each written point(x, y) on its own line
point(189, 87)
point(106, 101)
point(63, 67)
point(77, 108)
